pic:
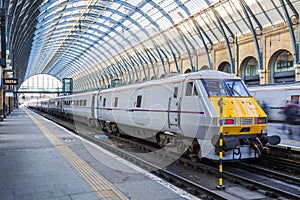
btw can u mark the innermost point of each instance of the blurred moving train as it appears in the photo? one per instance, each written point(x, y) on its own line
point(280, 102)
point(186, 112)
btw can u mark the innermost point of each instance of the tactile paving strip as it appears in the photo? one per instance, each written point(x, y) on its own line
point(103, 188)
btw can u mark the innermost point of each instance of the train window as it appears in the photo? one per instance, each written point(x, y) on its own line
point(84, 102)
point(191, 89)
point(295, 99)
point(139, 101)
point(195, 92)
point(104, 102)
point(116, 102)
point(175, 94)
point(80, 103)
point(214, 87)
point(236, 88)
point(225, 88)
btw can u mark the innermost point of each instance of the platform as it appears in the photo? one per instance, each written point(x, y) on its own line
point(40, 160)
point(289, 134)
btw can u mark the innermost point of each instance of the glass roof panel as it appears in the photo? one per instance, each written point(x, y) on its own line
point(116, 17)
point(111, 29)
point(195, 6)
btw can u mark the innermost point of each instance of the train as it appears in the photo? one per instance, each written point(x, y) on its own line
point(186, 113)
point(280, 102)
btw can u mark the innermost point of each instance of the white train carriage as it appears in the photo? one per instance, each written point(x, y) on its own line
point(79, 107)
point(32, 104)
point(185, 113)
point(158, 106)
point(43, 105)
point(188, 110)
point(274, 98)
point(55, 106)
point(67, 107)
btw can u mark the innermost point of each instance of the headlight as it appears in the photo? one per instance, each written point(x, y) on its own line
point(229, 121)
point(260, 120)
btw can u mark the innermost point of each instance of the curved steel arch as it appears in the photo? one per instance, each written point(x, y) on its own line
point(121, 37)
point(119, 13)
point(106, 26)
point(71, 58)
point(88, 48)
point(123, 15)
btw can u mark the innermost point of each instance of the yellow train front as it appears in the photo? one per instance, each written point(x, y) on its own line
point(241, 121)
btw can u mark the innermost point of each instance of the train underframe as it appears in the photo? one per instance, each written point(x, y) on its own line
point(245, 146)
point(234, 148)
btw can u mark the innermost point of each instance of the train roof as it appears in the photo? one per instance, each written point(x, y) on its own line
point(74, 95)
point(273, 87)
point(211, 74)
point(204, 74)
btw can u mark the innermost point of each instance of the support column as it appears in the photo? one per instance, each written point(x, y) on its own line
point(4, 98)
point(263, 79)
point(1, 96)
point(3, 61)
point(297, 72)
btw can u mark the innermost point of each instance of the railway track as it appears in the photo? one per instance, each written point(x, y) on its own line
point(270, 173)
point(192, 176)
point(282, 160)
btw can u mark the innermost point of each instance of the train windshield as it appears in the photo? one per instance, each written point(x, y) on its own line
point(234, 88)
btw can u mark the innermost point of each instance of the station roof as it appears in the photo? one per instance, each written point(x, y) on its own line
point(96, 38)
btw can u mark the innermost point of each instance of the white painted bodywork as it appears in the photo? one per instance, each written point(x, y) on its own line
point(160, 110)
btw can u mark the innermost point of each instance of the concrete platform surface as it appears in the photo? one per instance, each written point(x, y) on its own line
point(40, 160)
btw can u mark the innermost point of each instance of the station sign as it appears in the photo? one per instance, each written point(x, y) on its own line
point(68, 85)
point(9, 94)
point(10, 81)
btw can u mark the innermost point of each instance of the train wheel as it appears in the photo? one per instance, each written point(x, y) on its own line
point(115, 130)
point(163, 139)
point(103, 126)
point(193, 151)
point(89, 123)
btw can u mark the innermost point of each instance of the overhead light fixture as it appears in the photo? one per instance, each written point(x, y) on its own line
point(294, 20)
point(230, 39)
point(209, 46)
point(258, 31)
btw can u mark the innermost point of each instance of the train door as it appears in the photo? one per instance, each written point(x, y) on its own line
point(190, 109)
point(174, 109)
point(137, 115)
point(60, 106)
point(98, 106)
point(93, 107)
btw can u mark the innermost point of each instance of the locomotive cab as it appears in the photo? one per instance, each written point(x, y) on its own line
point(241, 119)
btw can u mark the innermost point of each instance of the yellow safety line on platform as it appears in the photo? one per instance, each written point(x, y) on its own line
point(103, 188)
